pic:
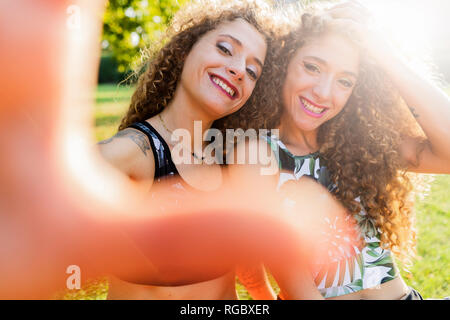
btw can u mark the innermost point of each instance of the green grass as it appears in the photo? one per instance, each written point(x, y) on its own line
point(112, 101)
point(430, 274)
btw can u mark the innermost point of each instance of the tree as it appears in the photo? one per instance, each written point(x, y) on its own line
point(131, 25)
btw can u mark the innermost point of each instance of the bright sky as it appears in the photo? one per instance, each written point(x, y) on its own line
point(416, 25)
point(419, 28)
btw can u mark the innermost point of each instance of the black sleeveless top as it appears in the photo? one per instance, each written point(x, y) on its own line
point(164, 165)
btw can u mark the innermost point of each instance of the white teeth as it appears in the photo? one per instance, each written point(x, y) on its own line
point(312, 108)
point(223, 86)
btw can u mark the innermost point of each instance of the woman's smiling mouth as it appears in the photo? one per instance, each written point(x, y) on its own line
point(312, 109)
point(224, 86)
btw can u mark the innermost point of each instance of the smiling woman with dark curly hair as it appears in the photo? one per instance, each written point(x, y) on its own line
point(209, 63)
point(163, 71)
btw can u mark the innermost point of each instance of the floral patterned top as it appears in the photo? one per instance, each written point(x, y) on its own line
point(353, 269)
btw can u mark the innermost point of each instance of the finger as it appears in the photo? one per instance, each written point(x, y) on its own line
point(360, 6)
point(353, 29)
point(344, 24)
point(354, 9)
point(348, 13)
point(353, 4)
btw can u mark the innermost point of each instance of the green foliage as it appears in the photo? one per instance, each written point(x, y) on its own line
point(112, 102)
point(108, 72)
point(93, 289)
point(131, 25)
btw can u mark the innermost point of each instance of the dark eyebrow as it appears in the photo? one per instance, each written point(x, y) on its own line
point(325, 63)
point(239, 43)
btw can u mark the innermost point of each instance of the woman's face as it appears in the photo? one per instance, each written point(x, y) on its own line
point(320, 79)
point(222, 68)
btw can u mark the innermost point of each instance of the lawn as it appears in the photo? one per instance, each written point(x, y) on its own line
point(111, 102)
point(430, 274)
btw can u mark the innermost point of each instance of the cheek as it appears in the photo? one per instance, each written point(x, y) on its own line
point(285, 97)
point(291, 89)
point(341, 100)
point(248, 90)
point(297, 83)
point(188, 69)
point(196, 62)
point(287, 91)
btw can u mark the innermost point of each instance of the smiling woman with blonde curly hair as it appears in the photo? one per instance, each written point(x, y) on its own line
point(344, 94)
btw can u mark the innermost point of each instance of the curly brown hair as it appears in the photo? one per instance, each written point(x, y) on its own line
point(361, 145)
point(157, 83)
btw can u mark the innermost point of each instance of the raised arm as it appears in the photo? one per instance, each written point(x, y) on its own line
point(431, 107)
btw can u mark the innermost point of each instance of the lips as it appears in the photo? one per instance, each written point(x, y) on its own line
point(225, 86)
point(312, 109)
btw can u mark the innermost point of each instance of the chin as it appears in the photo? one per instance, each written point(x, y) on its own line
point(307, 126)
point(219, 110)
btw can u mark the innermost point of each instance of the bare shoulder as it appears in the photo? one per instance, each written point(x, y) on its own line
point(130, 151)
point(126, 140)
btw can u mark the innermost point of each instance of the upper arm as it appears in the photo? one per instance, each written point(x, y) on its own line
point(419, 157)
point(130, 152)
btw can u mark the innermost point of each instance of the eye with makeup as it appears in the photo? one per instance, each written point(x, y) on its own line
point(311, 67)
point(346, 83)
point(225, 47)
point(252, 73)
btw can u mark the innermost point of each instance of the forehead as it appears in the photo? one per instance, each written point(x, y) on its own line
point(250, 38)
point(338, 52)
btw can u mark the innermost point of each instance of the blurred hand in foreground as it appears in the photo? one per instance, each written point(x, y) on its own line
point(61, 204)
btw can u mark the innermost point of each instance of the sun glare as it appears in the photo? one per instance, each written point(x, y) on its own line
point(408, 24)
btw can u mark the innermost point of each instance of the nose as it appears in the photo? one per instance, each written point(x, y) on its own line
point(323, 89)
point(236, 71)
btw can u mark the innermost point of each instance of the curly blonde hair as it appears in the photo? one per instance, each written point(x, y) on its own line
point(157, 83)
point(361, 145)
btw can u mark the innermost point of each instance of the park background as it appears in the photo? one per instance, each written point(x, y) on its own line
point(421, 28)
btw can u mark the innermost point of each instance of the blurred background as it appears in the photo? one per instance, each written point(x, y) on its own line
point(421, 29)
